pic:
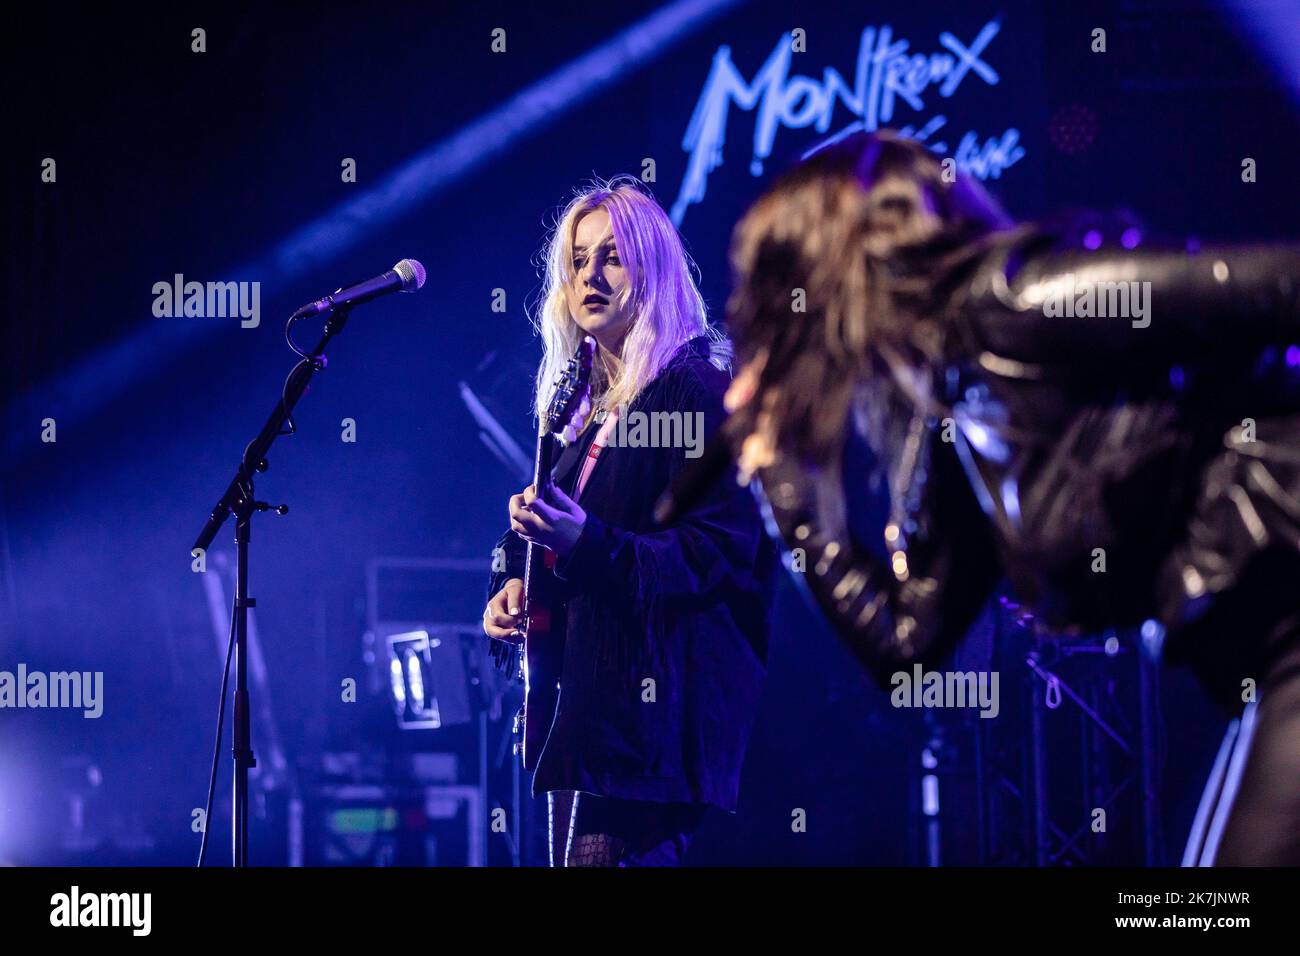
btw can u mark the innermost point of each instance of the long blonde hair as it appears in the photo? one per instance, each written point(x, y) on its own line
point(661, 296)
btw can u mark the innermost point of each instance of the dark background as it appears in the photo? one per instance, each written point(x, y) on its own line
point(212, 164)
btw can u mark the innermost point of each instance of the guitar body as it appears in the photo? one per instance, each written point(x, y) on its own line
point(543, 646)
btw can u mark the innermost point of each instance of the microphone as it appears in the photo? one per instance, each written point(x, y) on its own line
point(407, 276)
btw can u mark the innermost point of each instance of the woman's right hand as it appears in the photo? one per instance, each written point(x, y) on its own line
point(504, 613)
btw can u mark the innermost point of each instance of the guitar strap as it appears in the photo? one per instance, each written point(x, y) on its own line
point(593, 452)
point(568, 464)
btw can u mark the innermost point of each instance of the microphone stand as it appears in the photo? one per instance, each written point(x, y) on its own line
point(239, 500)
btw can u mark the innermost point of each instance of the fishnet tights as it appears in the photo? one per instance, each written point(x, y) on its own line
point(598, 831)
point(583, 849)
point(595, 849)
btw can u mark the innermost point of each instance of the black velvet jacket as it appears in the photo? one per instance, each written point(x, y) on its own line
point(686, 606)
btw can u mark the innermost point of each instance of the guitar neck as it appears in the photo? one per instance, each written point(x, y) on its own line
point(543, 463)
point(542, 467)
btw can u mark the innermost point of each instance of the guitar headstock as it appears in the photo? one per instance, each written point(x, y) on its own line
point(570, 404)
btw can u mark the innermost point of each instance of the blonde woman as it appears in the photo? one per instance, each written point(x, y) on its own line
point(664, 628)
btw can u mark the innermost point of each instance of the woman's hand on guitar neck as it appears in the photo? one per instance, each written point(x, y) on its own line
point(504, 613)
point(555, 524)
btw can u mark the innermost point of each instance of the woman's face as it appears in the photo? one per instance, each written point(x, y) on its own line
point(599, 279)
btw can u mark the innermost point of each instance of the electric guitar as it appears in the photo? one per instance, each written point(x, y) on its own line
point(543, 648)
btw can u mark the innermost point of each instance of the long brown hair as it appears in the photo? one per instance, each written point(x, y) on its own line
point(835, 269)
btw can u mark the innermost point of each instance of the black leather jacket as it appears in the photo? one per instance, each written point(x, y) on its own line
point(1113, 469)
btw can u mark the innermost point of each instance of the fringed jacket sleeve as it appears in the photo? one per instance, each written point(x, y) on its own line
point(507, 562)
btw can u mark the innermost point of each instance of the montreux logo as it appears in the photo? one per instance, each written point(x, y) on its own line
point(887, 74)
